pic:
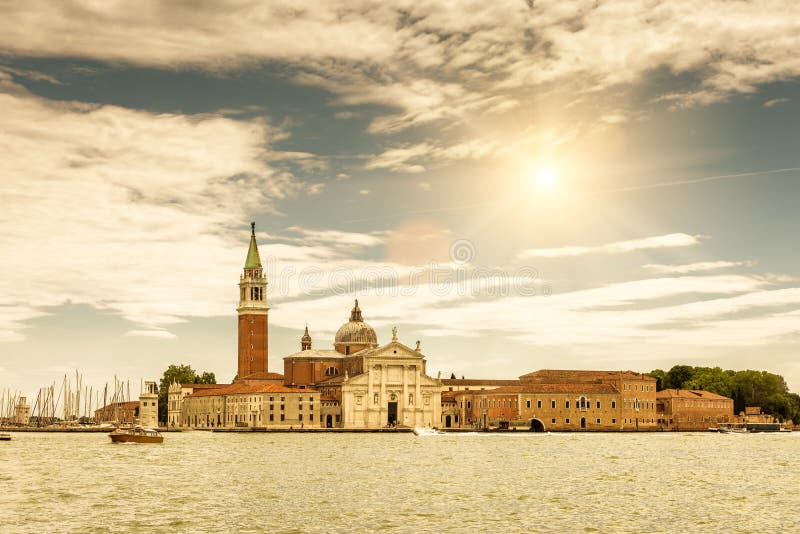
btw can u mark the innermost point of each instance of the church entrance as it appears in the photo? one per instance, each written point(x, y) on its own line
point(329, 421)
point(583, 422)
point(392, 414)
point(447, 422)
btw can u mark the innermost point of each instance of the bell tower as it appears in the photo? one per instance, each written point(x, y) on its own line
point(253, 312)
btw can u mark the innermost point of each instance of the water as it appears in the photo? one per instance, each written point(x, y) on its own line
point(204, 482)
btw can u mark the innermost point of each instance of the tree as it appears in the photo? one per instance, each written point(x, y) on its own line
point(660, 377)
point(182, 374)
point(678, 375)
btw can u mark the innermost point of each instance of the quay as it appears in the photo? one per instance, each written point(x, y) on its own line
point(318, 430)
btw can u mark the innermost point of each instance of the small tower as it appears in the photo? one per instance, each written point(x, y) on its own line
point(253, 312)
point(22, 411)
point(305, 341)
point(148, 405)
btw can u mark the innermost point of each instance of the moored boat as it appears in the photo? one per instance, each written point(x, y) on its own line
point(136, 435)
point(5, 437)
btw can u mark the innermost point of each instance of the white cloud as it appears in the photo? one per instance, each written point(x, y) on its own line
point(696, 267)
point(774, 102)
point(432, 62)
point(126, 210)
point(158, 334)
point(617, 247)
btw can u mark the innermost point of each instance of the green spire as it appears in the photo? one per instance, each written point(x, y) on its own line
point(253, 259)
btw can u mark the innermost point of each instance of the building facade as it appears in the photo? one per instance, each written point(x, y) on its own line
point(363, 384)
point(148, 405)
point(682, 409)
point(558, 400)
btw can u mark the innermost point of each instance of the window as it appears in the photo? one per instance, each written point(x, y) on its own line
point(282, 417)
point(598, 405)
point(539, 404)
point(613, 421)
point(566, 404)
point(613, 405)
point(566, 420)
point(469, 405)
point(553, 405)
point(300, 417)
point(553, 421)
point(528, 403)
point(597, 420)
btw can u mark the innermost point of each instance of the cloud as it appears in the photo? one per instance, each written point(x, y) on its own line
point(119, 208)
point(774, 102)
point(428, 63)
point(158, 334)
point(696, 267)
point(617, 247)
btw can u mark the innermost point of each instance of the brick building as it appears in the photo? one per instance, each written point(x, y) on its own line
point(683, 409)
point(560, 400)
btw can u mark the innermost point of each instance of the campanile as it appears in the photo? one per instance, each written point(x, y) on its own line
point(253, 312)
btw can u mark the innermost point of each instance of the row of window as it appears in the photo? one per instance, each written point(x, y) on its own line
point(582, 404)
point(568, 421)
point(637, 387)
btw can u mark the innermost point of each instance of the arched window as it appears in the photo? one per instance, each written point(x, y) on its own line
point(331, 371)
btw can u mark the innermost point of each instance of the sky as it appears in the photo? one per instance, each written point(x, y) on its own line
point(516, 184)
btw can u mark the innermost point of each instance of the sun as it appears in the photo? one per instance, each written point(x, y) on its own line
point(545, 179)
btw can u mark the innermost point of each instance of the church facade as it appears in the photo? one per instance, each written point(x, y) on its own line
point(364, 384)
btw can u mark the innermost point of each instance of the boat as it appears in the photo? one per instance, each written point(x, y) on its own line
point(422, 431)
point(136, 434)
point(5, 437)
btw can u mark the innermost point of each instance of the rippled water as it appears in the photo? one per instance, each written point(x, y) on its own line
point(204, 482)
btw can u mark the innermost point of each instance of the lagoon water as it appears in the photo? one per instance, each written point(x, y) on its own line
point(205, 482)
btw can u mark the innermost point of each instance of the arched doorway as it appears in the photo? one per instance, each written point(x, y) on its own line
point(447, 422)
point(583, 422)
point(329, 421)
point(537, 425)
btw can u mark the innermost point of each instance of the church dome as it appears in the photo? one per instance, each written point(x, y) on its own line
point(355, 332)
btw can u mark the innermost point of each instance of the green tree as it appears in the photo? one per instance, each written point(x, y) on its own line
point(678, 375)
point(182, 374)
point(660, 377)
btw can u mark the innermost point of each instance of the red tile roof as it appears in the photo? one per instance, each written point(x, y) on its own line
point(478, 382)
point(688, 394)
point(244, 388)
point(130, 405)
point(577, 387)
point(562, 375)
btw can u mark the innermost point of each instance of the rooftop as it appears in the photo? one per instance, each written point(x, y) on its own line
point(689, 394)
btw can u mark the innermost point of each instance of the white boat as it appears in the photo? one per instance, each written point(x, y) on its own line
point(423, 431)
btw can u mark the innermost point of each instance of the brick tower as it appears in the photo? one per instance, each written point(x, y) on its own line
point(253, 312)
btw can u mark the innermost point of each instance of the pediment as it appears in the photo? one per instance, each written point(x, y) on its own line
point(395, 349)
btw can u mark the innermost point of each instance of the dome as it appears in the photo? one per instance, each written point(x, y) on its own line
point(355, 332)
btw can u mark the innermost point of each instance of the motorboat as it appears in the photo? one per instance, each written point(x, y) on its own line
point(424, 431)
point(136, 434)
